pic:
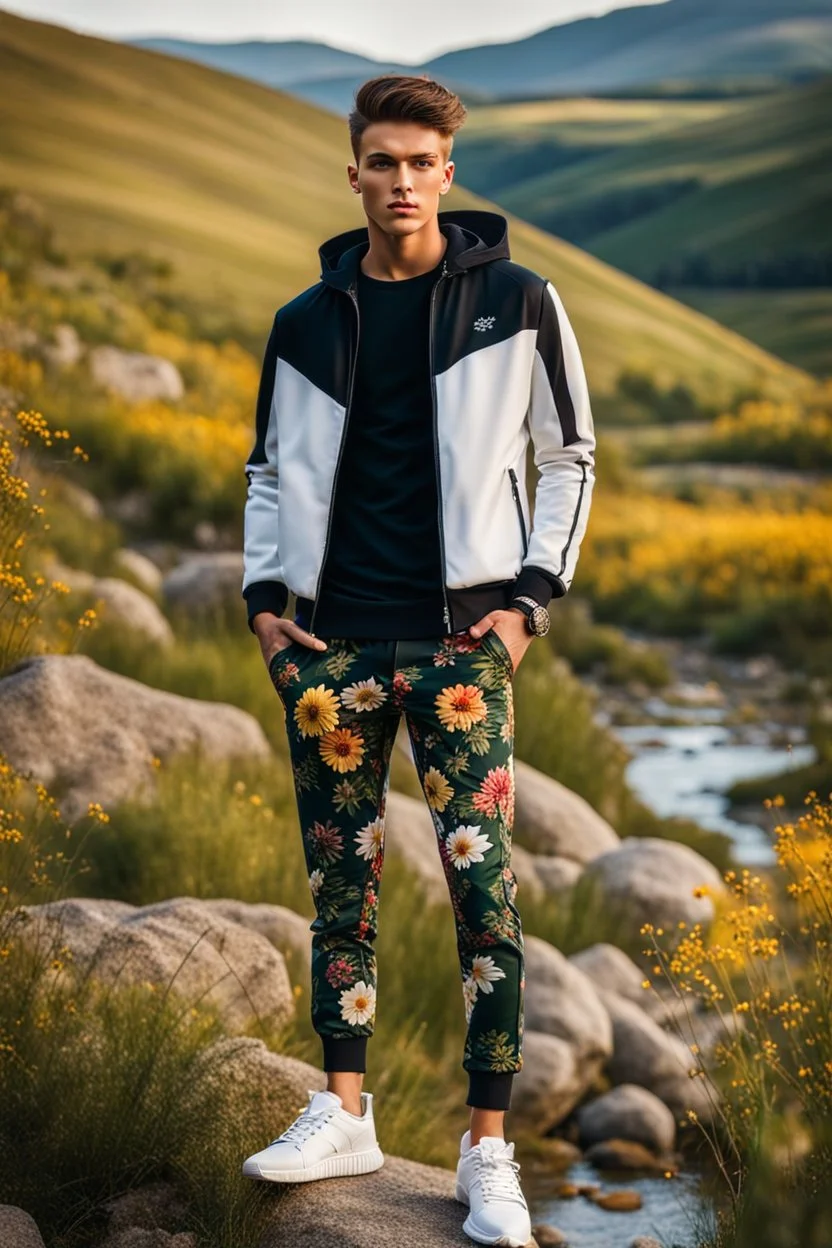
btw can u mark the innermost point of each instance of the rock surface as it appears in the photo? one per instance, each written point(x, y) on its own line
point(18, 1229)
point(135, 375)
point(550, 1084)
point(624, 1155)
point(284, 928)
point(645, 1054)
point(609, 968)
point(92, 734)
point(181, 942)
point(143, 569)
point(561, 1001)
point(119, 601)
point(628, 1112)
point(206, 581)
point(551, 819)
point(418, 1202)
point(649, 880)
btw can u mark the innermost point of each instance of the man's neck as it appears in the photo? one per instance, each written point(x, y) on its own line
point(393, 259)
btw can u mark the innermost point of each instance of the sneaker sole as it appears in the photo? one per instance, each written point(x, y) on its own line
point(337, 1166)
point(505, 1241)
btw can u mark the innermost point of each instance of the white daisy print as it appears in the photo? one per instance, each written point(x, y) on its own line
point(358, 1004)
point(467, 845)
point(363, 695)
point(484, 972)
point(469, 996)
point(316, 879)
point(370, 839)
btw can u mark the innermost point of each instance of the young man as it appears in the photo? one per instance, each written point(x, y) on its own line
point(387, 492)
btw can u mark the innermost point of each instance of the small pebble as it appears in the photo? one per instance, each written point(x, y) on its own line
point(567, 1191)
point(548, 1236)
point(626, 1201)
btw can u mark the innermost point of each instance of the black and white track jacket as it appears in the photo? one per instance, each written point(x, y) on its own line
point(505, 367)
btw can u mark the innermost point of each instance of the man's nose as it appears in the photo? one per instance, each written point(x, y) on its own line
point(403, 179)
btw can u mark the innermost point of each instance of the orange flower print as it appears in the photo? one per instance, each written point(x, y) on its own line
point(342, 749)
point(460, 706)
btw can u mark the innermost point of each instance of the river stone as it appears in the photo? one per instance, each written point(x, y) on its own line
point(628, 1112)
point(618, 1202)
point(117, 600)
point(645, 1054)
point(561, 1001)
point(91, 734)
point(547, 1236)
point(18, 1229)
point(178, 942)
point(550, 1083)
point(205, 581)
point(650, 880)
point(135, 375)
point(153, 1206)
point(551, 819)
point(624, 1155)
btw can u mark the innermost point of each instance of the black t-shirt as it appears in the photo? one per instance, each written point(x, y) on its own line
point(383, 573)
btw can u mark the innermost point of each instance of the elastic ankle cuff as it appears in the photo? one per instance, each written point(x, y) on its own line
point(345, 1053)
point(489, 1089)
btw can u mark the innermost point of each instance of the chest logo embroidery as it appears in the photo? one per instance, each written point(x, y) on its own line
point(482, 323)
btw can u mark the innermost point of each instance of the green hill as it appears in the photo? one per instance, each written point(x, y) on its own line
point(723, 202)
point(237, 184)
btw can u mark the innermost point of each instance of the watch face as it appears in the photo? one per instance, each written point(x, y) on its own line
point(539, 621)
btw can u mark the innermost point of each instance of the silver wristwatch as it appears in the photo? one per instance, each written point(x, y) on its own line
point(537, 617)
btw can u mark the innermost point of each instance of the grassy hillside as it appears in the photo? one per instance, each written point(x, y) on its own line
point(237, 184)
point(653, 187)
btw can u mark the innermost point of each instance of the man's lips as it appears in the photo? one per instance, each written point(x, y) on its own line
point(401, 203)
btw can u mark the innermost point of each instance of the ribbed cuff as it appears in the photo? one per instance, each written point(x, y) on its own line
point(345, 1053)
point(265, 596)
point(489, 1089)
point(537, 584)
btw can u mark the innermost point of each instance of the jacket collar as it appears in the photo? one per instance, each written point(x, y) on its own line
point(474, 238)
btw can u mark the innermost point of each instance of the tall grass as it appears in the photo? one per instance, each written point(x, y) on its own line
point(765, 971)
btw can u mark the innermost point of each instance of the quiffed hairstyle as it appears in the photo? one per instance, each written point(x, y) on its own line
point(401, 97)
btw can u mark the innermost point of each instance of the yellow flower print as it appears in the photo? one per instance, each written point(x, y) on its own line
point(316, 711)
point(437, 789)
point(342, 749)
point(460, 706)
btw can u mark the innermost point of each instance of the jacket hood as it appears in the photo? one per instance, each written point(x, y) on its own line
point(473, 238)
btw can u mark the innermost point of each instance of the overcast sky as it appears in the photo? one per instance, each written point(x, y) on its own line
point(378, 28)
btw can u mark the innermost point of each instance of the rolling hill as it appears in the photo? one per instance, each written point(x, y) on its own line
point(237, 185)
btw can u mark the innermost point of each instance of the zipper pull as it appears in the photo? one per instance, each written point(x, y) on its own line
point(447, 618)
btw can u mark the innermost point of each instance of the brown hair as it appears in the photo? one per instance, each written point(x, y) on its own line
point(400, 97)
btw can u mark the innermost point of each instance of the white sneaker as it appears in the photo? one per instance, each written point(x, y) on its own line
point(487, 1180)
point(324, 1142)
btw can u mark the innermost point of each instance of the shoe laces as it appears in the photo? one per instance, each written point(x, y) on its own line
point(305, 1125)
point(498, 1174)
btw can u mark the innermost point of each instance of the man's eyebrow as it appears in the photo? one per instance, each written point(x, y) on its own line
point(415, 156)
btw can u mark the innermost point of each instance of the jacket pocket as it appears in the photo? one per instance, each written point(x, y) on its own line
point(515, 489)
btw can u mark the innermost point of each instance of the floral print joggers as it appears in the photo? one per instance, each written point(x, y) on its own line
point(342, 707)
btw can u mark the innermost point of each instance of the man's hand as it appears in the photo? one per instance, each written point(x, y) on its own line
point(514, 635)
point(275, 634)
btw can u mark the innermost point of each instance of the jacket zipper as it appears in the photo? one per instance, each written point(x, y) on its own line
point(447, 609)
point(353, 364)
point(516, 492)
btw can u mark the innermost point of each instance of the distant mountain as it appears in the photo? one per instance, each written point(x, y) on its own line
point(277, 64)
point(681, 44)
point(681, 41)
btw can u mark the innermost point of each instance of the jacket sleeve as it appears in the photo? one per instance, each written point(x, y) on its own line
point(263, 587)
point(563, 436)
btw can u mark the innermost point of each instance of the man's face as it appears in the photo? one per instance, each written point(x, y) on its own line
point(401, 162)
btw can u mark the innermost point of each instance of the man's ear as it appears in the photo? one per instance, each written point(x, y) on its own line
point(449, 175)
point(352, 175)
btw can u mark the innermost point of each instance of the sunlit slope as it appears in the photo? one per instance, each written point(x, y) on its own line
point(237, 184)
point(753, 177)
